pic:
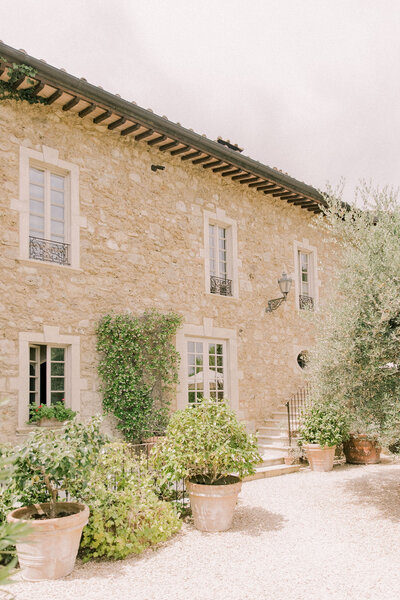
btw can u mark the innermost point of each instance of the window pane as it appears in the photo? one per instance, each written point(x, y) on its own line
point(199, 347)
point(36, 176)
point(57, 383)
point(57, 181)
point(32, 398)
point(32, 384)
point(57, 212)
point(219, 348)
point(57, 227)
point(56, 397)
point(57, 368)
point(36, 191)
point(36, 207)
point(57, 197)
point(36, 223)
point(32, 353)
point(57, 353)
point(32, 369)
point(190, 346)
point(192, 397)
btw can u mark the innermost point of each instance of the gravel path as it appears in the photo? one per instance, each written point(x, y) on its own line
point(305, 536)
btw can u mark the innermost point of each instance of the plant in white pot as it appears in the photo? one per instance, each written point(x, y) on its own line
point(51, 462)
point(208, 447)
point(323, 428)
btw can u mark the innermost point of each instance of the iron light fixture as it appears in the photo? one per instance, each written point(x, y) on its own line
point(285, 284)
point(156, 168)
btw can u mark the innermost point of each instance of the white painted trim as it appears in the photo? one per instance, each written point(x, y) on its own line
point(48, 159)
point(305, 246)
point(219, 218)
point(208, 331)
point(50, 335)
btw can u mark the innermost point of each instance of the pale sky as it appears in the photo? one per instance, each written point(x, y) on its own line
point(308, 86)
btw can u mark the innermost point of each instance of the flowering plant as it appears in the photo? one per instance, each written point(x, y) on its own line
point(56, 411)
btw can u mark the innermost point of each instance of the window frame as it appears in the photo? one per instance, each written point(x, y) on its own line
point(48, 160)
point(305, 248)
point(49, 375)
point(220, 220)
point(206, 342)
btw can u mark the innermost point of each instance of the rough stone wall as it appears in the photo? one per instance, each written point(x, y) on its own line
point(142, 249)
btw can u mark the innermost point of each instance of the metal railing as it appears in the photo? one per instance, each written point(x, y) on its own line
point(221, 286)
point(48, 250)
point(306, 302)
point(295, 407)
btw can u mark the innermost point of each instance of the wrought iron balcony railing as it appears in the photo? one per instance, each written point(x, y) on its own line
point(306, 302)
point(220, 286)
point(49, 251)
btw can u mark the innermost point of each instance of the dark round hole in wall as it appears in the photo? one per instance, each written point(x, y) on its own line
point(303, 359)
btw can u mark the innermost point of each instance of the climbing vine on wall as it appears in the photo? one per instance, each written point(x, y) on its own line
point(139, 370)
point(15, 72)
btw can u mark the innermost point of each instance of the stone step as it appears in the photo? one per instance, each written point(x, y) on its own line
point(272, 471)
point(279, 450)
point(270, 461)
point(275, 430)
point(273, 439)
point(271, 423)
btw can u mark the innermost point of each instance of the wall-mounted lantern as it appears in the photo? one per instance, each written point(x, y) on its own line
point(285, 283)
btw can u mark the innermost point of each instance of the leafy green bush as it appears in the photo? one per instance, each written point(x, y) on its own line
point(138, 368)
point(51, 461)
point(205, 443)
point(56, 411)
point(125, 514)
point(324, 425)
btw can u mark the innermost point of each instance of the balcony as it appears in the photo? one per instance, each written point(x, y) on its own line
point(220, 286)
point(306, 302)
point(49, 251)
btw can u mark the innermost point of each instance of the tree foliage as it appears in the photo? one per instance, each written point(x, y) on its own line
point(138, 368)
point(356, 361)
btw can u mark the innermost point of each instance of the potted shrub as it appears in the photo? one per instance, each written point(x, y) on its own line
point(323, 427)
point(362, 446)
point(50, 416)
point(208, 447)
point(48, 463)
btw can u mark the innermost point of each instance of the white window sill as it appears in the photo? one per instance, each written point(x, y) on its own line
point(44, 263)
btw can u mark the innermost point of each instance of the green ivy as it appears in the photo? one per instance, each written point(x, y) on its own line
point(15, 73)
point(138, 369)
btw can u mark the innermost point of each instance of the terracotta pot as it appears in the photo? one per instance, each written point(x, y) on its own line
point(213, 505)
point(361, 450)
point(320, 458)
point(50, 550)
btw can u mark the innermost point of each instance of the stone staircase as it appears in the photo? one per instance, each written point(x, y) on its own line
point(273, 443)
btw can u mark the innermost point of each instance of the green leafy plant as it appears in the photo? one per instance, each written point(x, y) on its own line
point(205, 443)
point(139, 369)
point(324, 425)
point(356, 360)
point(53, 461)
point(16, 72)
point(125, 514)
point(56, 411)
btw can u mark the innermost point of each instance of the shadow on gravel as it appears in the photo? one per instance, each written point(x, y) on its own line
point(381, 490)
point(256, 520)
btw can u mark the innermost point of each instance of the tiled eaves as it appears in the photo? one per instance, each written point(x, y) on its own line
point(128, 119)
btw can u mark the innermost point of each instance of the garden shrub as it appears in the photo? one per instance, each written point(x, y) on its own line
point(324, 425)
point(138, 368)
point(126, 517)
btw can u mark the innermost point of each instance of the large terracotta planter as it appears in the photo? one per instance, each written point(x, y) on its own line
point(50, 550)
point(213, 505)
point(319, 457)
point(361, 450)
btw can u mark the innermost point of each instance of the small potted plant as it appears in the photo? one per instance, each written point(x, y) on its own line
point(323, 428)
point(293, 455)
point(50, 416)
point(48, 463)
point(208, 447)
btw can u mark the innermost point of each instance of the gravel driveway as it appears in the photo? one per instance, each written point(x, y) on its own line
point(305, 536)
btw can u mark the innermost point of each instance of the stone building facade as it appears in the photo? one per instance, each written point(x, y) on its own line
point(140, 237)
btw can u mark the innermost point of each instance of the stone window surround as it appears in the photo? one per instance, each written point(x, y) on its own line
point(219, 218)
point(48, 159)
point(50, 336)
point(207, 331)
point(305, 246)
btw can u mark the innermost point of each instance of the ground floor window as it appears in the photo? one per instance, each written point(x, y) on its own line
point(47, 374)
point(206, 372)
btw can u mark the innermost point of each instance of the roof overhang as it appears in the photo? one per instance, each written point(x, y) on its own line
point(129, 120)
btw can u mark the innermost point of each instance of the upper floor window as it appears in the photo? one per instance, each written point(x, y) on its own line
point(48, 216)
point(48, 206)
point(306, 284)
point(218, 245)
point(220, 254)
